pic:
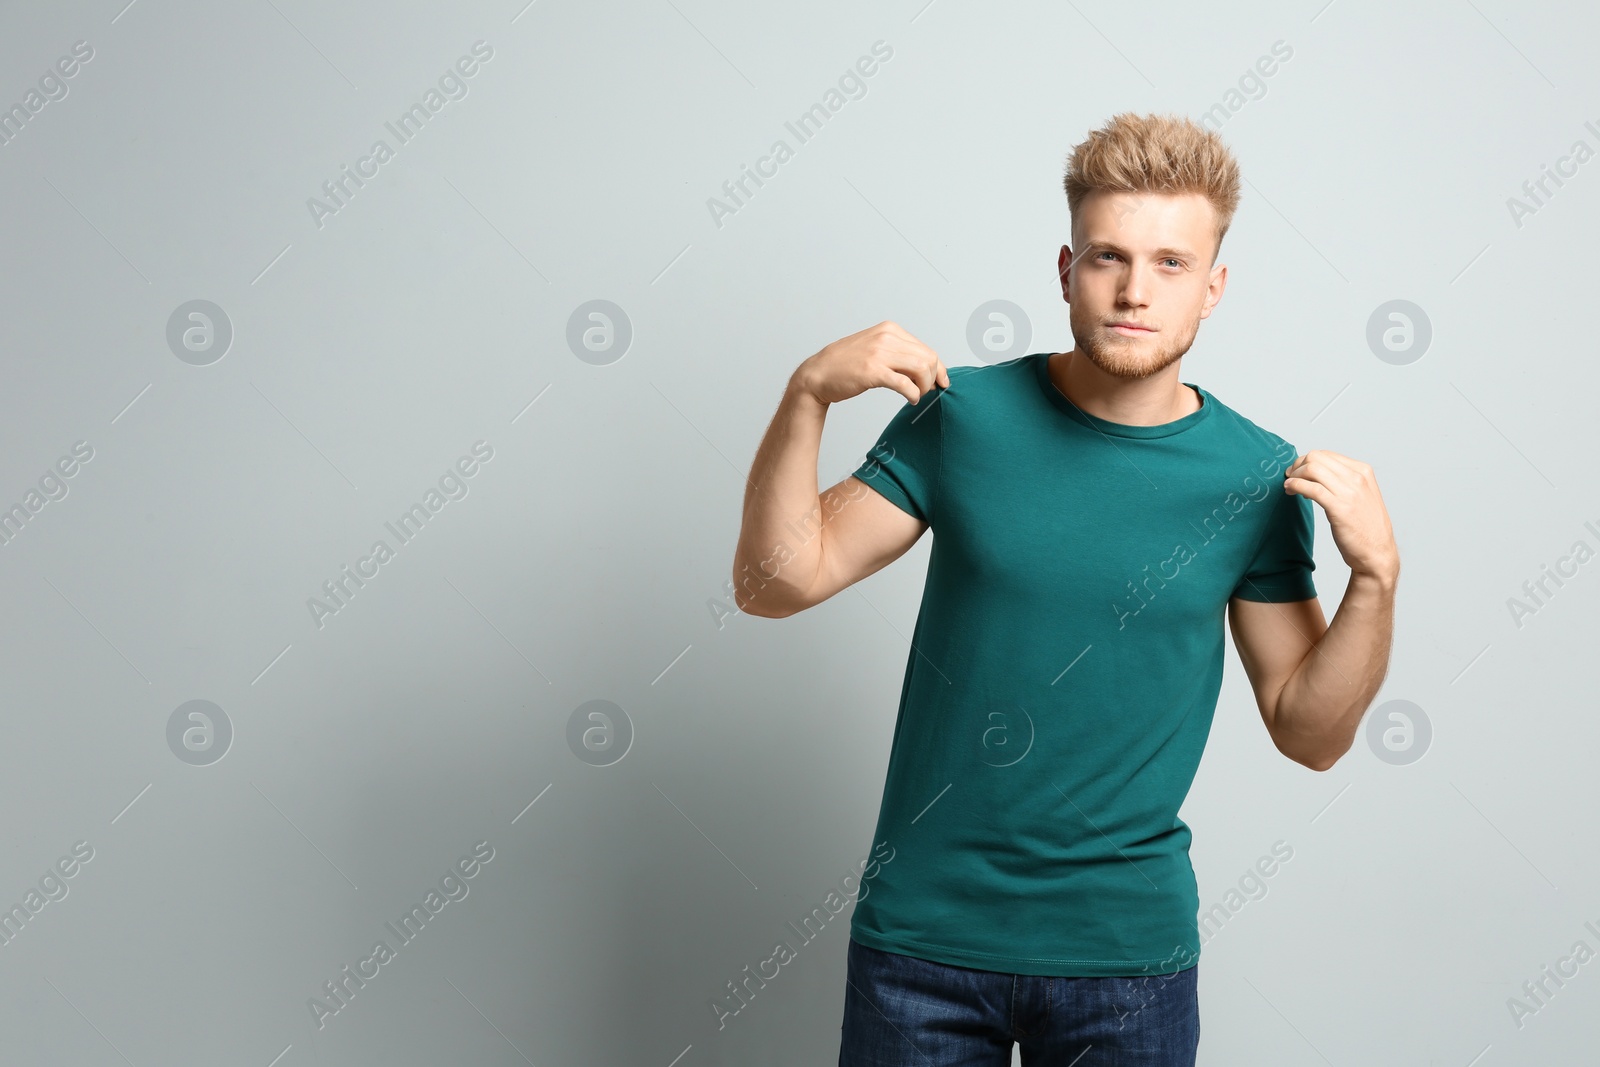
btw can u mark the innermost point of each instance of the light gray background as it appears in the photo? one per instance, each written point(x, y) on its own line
point(431, 312)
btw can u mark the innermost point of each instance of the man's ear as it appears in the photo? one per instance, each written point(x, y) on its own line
point(1215, 287)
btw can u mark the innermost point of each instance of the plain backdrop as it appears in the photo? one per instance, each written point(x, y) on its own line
point(374, 341)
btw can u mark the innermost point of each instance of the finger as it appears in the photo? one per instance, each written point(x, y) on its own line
point(913, 366)
point(1354, 468)
point(904, 386)
point(915, 361)
point(898, 333)
point(1311, 490)
point(937, 372)
point(1318, 469)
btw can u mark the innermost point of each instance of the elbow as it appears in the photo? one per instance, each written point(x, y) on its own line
point(749, 605)
point(1321, 761)
point(766, 601)
point(760, 608)
point(1316, 748)
point(1317, 757)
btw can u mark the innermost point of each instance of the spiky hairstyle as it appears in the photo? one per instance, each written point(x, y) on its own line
point(1155, 154)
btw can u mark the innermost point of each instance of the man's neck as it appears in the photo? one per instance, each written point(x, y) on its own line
point(1152, 401)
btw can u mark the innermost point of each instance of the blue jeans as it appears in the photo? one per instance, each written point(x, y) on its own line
point(901, 1010)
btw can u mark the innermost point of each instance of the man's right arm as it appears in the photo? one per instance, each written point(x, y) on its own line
point(798, 547)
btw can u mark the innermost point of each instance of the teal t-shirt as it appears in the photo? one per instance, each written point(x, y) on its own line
point(1064, 668)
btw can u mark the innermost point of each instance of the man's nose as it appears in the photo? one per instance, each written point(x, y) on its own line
point(1134, 287)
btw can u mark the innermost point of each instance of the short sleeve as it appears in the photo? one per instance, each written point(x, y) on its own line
point(904, 465)
point(1281, 569)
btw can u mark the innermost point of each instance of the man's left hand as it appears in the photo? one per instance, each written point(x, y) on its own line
point(1347, 491)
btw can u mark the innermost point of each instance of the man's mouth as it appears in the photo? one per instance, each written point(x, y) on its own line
point(1130, 329)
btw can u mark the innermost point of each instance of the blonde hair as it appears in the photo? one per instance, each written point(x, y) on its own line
point(1155, 154)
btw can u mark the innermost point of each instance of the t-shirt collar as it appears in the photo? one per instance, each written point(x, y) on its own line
point(1041, 362)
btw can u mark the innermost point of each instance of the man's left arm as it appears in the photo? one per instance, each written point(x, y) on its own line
point(1314, 680)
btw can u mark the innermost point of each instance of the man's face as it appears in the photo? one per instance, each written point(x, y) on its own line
point(1143, 259)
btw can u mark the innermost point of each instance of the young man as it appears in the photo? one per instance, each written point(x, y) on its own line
point(1094, 519)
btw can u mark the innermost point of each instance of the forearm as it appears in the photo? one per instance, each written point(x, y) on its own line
point(779, 549)
point(1319, 708)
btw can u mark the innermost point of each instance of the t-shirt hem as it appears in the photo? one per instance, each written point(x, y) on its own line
point(886, 488)
point(1275, 592)
point(998, 962)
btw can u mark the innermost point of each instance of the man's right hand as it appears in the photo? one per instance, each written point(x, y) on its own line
point(824, 543)
point(882, 355)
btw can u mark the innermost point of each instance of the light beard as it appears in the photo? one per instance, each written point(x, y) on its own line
point(1130, 357)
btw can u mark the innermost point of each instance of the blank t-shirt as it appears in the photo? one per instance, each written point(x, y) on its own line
point(1064, 668)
